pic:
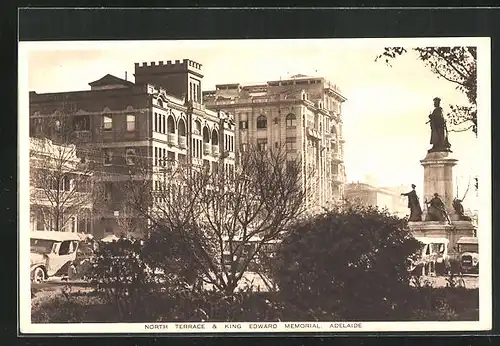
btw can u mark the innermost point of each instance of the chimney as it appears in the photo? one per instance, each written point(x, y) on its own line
point(125, 75)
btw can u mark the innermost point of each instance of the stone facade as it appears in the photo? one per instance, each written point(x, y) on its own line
point(156, 120)
point(303, 112)
point(389, 198)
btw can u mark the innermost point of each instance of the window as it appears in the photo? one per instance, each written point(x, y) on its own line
point(81, 123)
point(108, 122)
point(291, 144)
point(156, 156)
point(215, 137)
point(67, 247)
point(291, 120)
point(37, 125)
point(243, 125)
point(197, 128)
point(163, 127)
point(57, 125)
point(130, 122)
point(130, 156)
point(261, 122)
point(108, 156)
point(108, 191)
point(171, 156)
point(262, 144)
point(160, 103)
point(156, 122)
point(244, 147)
point(170, 124)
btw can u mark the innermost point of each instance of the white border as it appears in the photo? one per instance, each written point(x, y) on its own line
point(485, 240)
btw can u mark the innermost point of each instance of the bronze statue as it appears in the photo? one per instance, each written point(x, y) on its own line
point(413, 204)
point(459, 209)
point(436, 210)
point(439, 131)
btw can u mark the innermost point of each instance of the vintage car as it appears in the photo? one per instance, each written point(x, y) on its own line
point(432, 258)
point(52, 253)
point(468, 255)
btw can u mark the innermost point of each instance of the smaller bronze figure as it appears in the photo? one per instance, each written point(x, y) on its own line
point(459, 209)
point(439, 131)
point(436, 210)
point(413, 204)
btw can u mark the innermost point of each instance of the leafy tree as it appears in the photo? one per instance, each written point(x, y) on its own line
point(458, 65)
point(350, 261)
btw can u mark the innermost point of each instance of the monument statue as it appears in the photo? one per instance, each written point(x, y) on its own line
point(413, 204)
point(436, 210)
point(459, 209)
point(439, 131)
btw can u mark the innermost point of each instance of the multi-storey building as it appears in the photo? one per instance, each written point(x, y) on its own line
point(385, 198)
point(60, 194)
point(303, 112)
point(158, 120)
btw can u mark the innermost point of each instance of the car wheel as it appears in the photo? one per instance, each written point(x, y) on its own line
point(38, 275)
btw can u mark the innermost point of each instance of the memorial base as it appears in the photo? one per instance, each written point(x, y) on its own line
point(442, 229)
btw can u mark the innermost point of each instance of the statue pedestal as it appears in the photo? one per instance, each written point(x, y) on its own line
point(438, 178)
point(442, 229)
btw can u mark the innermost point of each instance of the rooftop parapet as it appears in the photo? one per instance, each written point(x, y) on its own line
point(170, 65)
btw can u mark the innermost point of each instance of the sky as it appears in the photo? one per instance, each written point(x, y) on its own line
point(384, 115)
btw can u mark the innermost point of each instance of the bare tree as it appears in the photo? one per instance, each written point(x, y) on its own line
point(61, 184)
point(63, 170)
point(225, 219)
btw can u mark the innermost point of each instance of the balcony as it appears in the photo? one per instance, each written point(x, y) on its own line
point(83, 135)
point(337, 157)
point(207, 149)
point(337, 178)
point(197, 161)
point(172, 139)
point(313, 132)
point(215, 150)
point(182, 142)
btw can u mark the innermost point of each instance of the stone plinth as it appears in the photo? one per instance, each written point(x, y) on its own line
point(442, 229)
point(438, 178)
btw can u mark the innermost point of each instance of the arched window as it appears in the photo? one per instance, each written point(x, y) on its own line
point(160, 103)
point(261, 122)
point(215, 137)
point(206, 135)
point(170, 124)
point(182, 127)
point(333, 131)
point(291, 120)
point(197, 127)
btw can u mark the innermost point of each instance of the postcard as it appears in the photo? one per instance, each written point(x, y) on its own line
point(227, 186)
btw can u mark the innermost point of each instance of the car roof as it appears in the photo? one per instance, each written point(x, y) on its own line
point(57, 236)
point(467, 240)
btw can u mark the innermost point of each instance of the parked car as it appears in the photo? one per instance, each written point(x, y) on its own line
point(52, 253)
point(468, 254)
point(433, 257)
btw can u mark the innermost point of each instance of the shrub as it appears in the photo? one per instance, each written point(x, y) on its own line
point(350, 261)
point(131, 272)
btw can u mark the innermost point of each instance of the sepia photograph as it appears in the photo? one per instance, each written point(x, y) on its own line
point(222, 186)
